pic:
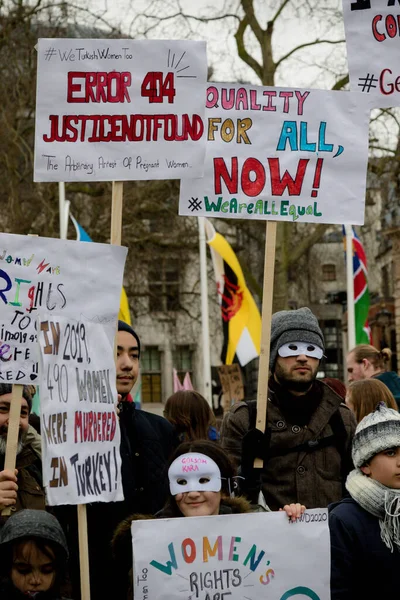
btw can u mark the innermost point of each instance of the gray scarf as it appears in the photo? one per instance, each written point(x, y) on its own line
point(380, 501)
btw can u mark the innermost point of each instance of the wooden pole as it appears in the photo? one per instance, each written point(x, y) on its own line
point(116, 212)
point(83, 552)
point(13, 434)
point(268, 293)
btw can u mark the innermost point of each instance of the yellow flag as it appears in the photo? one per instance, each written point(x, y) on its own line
point(240, 316)
point(124, 314)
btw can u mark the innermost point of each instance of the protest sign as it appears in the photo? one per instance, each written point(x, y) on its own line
point(283, 155)
point(232, 384)
point(58, 276)
point(373, 46)
point(253, 556)
point(80, 433)
point(119, 109)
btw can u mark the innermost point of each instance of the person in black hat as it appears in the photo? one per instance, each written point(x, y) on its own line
point(306, 448)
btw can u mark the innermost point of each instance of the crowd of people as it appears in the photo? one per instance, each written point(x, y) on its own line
point(323, 445)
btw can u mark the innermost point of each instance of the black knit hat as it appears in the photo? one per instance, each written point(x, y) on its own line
point(294, 326)
point(33, 523)
point(122, 326)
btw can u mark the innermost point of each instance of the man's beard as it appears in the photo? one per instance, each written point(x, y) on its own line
point(291, 383)
point(3, 440)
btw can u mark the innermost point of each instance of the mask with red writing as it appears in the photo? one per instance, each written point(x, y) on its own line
point(194, 472)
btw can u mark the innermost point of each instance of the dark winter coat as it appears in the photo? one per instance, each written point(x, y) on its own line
point(313, 478)
point(29, 479)
point(362, 565)
point(147, 441)
point(392, 381)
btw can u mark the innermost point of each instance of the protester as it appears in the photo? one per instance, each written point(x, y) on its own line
point(365, 361)
point(306, 449)
point(147, 442)
point(33, 557)
point(22, 488)
point(191, 415)
point(364, 395)
point(205, 491)
point(365, 528)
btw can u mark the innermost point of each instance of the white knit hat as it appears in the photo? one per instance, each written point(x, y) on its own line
point(376, 432)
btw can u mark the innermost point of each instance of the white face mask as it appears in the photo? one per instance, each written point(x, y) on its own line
point(194, 472)
point(297, 348)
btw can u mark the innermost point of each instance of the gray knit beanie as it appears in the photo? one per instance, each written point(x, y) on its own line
point(294, 326)
point(378, 431)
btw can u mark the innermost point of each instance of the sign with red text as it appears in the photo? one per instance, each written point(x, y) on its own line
point(282, 154)
point(373, 47)
point(79, 425)
point(119, 110)
point(232, 557)
point(57, 276)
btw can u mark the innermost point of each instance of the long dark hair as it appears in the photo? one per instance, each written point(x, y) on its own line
point(219, 456)
point(190, 414)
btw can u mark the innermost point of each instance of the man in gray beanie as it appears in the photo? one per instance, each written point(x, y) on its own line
point(306, 447)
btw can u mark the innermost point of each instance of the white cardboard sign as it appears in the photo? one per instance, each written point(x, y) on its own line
point(232, 557)
point(282, 154)
point(80, 431)
point(62, 277)
point(119, 109)
point(373, 47)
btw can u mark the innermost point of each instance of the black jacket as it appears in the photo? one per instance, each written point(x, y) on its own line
point(361, 564)
point(147, 441)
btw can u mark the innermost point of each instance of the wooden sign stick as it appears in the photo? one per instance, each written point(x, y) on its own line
point(12, 434)
point(268, 293)
point(116, 231)
point(116, 212)
point(83, 552)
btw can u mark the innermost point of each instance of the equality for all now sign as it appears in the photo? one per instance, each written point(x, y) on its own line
point(282, 154)
point(62, 277)
point(80, 432)
point(119, 110)
point(253, 556)
point(373, 47)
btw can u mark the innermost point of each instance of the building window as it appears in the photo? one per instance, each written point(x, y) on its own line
point(333, 348)
point(329, 272)
point(182, 359)
point(150, 370)
point(164, 285)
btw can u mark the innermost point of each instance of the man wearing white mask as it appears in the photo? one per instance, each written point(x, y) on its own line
point(307, 442)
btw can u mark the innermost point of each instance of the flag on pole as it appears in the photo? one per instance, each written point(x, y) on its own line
point(82, 236)
point(240, 316)
point(361, 291)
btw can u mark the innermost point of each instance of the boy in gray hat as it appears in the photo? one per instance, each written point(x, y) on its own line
point(365, 528)
point(307, 441)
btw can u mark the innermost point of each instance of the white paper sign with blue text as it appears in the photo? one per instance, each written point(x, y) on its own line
point(79, 425)
point(373, 48)
point(62, 277)
point(120, 109)
point(232, 557)
point(282, 154)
